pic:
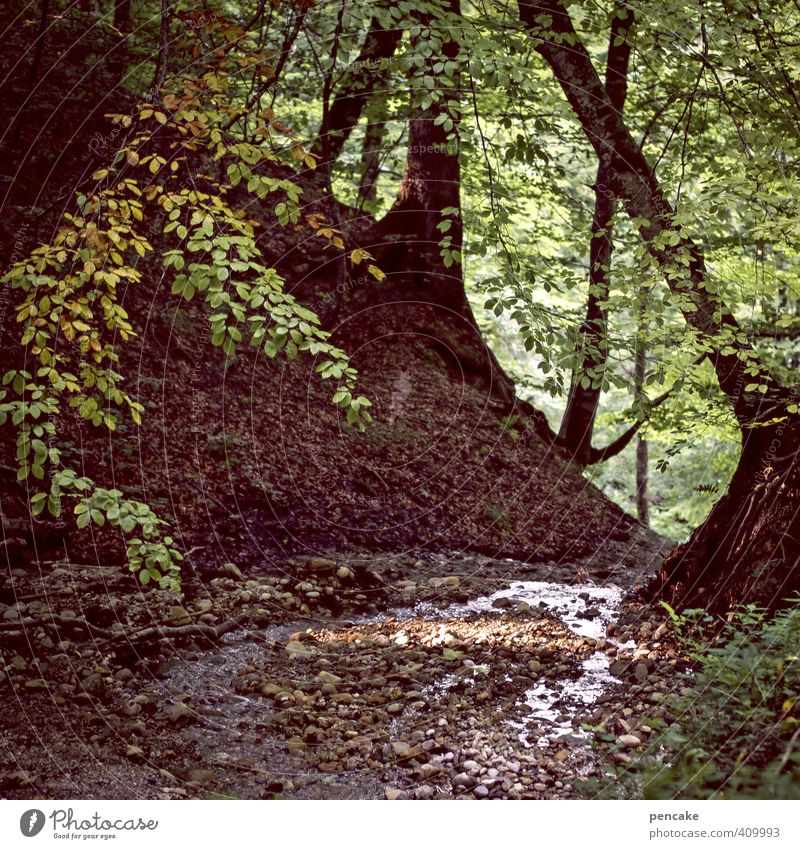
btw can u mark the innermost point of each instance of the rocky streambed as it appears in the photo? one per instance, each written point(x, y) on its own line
point(465, 688)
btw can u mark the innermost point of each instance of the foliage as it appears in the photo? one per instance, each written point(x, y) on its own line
point(160, 186)
point(735, 732)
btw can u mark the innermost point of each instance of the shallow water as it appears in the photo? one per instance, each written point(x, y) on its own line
point(586, 610)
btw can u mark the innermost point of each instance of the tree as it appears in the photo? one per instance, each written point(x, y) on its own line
point(577, 424)
point(366, 75)
point(748, 549)
point(418, 242)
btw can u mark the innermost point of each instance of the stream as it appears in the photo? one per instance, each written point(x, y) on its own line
point(235, 724)
point(586, 610)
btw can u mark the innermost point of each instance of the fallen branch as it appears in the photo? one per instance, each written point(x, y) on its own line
point(195, 629)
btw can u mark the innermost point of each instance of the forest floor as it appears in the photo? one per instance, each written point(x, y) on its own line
point(482, 679)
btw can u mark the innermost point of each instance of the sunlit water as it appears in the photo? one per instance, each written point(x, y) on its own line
point(583, 608)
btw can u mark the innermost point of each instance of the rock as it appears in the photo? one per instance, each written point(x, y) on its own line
point(404, 750)
point(481, 792)
point(134, 753)
point(198, 776)
point(232, 571)
point(178, 615)
point(641, 672)
point(618, 668)
point(203, 605)
point(312, 734)
point(321, 564)
point(463, 780)
point(328, 677)
point(299, 649)
point(661, 631)
point(393, 793)
point(502, 603)
point(123, 674)
point(629, 741)
point(178, 713)
point(394, 708)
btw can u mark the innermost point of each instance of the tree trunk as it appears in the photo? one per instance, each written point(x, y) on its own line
point(577, 426)
point(748, 549)
point(406, 241)
point(160, 74)
point(36, 62)
point(639, 373)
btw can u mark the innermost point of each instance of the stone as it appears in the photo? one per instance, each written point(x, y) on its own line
point(618, 668)
point(393, 793)
point(178, 615)
point(299, 649)
point(404, 750)
point(232, 571)
point(199, 776)
point(629, 741)
point(328, 678)
point(321, 564)
point(481, 792)
point(463, 780)
point(641, 672)
point(134, 753)
point(179, 712)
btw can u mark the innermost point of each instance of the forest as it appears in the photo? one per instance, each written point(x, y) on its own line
point(400, 399)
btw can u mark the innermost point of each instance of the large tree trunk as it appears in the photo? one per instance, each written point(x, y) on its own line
point(748, 548)
point(406, 241)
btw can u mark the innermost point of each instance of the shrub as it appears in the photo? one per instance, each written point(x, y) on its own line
point(735, 733)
